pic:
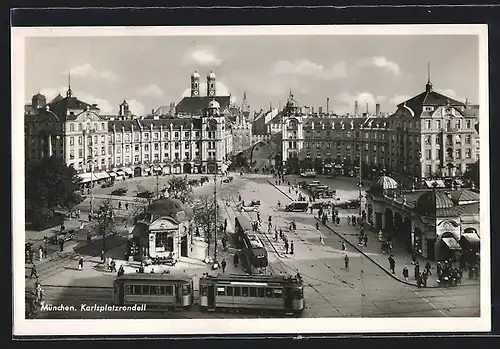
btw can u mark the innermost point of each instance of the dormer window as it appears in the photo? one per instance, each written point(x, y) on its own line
point(428, 108)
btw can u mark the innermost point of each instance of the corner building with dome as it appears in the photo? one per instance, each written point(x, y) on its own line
point(194, 140)
point(436, 223)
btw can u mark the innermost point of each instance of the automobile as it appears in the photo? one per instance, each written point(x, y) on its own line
point(255, 203)
point(226, 180)
point(119, 192)
point(66, 235)
point(325, 205)
point(297, 206)
point(308, 174)
point(350, 204)
point(107, 184)
point(248, 208)
point(145, 194)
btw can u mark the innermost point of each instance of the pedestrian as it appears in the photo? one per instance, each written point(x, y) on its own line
point(281, 234)
point(40, 252)
point(119, 205)
point(286, 247)
point(428, 268)
point(317, 225)
point(311, 209)
point(392, 263)
point(121, 270)
point(291, 247)
point(275, 234)
point(417, 270)
point(365, 240)
point(82, 226)
point(405, 273)
point(337, 220)
point(223, 265)
point(102, 257)
point(321, 240)
point(279, 204)
point(80, 264)
point(439, 269)
point(425, 276)
point(346, 262)
point(348, 219)
point(33, 272)
point(89, 237)
point(413, 258)
point(113, 266)
point(344, 248)
point(236, 259)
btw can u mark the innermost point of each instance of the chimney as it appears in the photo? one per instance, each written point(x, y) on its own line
point(152, 112)
point(377, 109)
point(320, 110)
point(328, 105)
point(366, 108)
point(355, 108)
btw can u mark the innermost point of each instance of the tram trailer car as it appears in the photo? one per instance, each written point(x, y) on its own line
point(162, 291)
point(254, 251)
point(275, 293)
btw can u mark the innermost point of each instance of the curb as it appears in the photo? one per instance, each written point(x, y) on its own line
point(364, 254)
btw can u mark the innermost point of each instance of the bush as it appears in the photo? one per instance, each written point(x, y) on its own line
point(44, 218)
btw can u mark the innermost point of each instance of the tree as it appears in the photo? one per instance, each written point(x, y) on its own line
point(50, 184)
point(207, 217)
point(106, 221)
point(178, 188)
point(472, 173)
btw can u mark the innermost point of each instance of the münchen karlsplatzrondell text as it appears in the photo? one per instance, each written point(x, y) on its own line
point(93, 307)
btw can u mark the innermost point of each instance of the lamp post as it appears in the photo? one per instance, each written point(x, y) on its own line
point(216, 263)
point(91, 162)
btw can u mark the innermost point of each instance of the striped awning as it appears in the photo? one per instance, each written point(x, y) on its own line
point(452, 243)
point(86, 177)
point(471, 238)
point(101, 175)
point(120, 173)
point(112, 174)
point(128, 170)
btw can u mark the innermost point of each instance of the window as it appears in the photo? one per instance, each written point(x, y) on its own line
point(80, 127)
point(438, 140)
point(427, 124)
point(269, 292)
point(127, 137)
point(367, 135)
point(229, 291)
point(156, 146)
point(186, 290)
point(146, 136)
point(103, 151)
point(237, 291)
point(458, 153)
point(438, 124)
point(348, 134)
point(177, 145)
point(168, 290)
point(348, 147)
point(467, 139)
point(80, 140)
point(427, 140)
point(428, 154)
point(103, 139)
point(136, 147)
point(374, 147)
point(367, 146)
point(467, 124)
point(71, 154)
point(318, 145)
point(382, 148)
point(136, 137)
point(80, 153)
point(429, 169)
point(156, 136)
point(468, 153)
point(71, 141)
point(186, 134)
point(260, 292)
point(278, 293)
point(244, 291)
point(374, 135)
point(176, 134)
point(458, 139)
point(71, 127)
point(337, 134)
point(153, 289)
point(221, 291)
point(253, 291)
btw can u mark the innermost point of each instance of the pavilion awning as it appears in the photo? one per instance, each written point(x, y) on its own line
point(120, 173)
point(439, 183)
point(101, 175)
point(472, 238)
point(128, 171)
point(452, 244)
point(112, 174)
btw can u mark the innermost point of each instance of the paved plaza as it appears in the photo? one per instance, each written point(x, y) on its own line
point(364, 289)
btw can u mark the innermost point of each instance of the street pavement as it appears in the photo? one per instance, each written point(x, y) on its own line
point(361, 290)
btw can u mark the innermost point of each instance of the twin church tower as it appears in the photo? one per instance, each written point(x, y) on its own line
point(195, 84)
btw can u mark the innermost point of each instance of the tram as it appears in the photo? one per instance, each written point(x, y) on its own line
point(275, 293)
point(254, 252)
point(154, 290)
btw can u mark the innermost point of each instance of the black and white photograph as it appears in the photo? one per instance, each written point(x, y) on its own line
point(251, 179)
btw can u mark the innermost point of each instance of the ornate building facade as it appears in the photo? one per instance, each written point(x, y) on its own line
point(429, 136)
point(75, 131)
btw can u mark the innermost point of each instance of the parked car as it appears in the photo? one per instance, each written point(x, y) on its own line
point(248, 208)
point(226, 180)
point(145, 194)
point(119, 192)
point(297, 206)
point(66, 235)
point(107, 184)
point(350, 204)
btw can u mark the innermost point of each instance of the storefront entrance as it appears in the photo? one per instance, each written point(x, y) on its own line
point(184, 246)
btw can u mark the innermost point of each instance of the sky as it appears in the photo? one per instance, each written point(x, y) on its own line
point(153, 71)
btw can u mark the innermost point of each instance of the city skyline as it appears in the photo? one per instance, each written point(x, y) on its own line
point(106, 70)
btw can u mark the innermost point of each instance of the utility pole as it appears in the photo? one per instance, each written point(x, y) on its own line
point(360, 184)
point(216, 264)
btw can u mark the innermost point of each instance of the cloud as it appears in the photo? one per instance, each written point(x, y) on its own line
point(304, 67)
point(381, 99)
point(150, 91)
point(381, 62)
point(136, 107)
point(345, 102)
point(448, 92)
point(396, 99)
point(220, 88)
point(88, 71)
point(204, 58)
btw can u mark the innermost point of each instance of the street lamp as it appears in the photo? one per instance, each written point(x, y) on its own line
point(91, 162)
point(216, 263)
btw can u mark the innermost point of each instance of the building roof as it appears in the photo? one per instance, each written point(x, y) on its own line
point(196, 105)
point(387, 183)
point(464, 196)
point(60, 107)
point(169, 207)
point(429, 98)
point(436, 204)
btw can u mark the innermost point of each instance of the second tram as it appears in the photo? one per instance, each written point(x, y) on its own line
point(254, 252)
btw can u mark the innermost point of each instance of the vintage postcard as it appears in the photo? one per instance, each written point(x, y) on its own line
point(290, 179)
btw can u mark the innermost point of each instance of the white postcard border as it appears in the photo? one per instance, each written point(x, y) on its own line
point(23, 327)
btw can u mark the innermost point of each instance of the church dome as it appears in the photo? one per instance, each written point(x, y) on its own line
point(386, 183)
point(213, 104)
point(195, 75)
point(211, 75)
point(433, 200)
